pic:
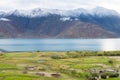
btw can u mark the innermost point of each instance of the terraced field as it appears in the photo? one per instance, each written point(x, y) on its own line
point(57, 65)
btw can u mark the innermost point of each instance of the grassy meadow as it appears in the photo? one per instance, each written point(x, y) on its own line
point(77, 65)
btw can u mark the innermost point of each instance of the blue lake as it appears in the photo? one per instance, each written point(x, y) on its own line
point(59, 44)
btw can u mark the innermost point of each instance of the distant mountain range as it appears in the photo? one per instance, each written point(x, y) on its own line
point(52, 23)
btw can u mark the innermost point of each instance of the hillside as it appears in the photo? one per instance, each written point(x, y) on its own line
point(52, 23)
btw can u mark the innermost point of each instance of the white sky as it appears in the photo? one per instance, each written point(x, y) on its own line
point(58, 4)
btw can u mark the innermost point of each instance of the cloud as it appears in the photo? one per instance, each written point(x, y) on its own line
point(58, 4)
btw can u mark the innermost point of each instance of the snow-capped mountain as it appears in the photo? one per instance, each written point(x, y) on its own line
point(53, 23)
point(99, 11)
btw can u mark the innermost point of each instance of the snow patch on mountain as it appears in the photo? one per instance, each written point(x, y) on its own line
point(65, 19)
point(68, 19)
point(4, 19)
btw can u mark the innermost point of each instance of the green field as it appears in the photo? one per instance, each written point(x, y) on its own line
point(63, 65)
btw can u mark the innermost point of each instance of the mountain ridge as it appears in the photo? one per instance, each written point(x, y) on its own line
point(38, 12)
point(52, 23)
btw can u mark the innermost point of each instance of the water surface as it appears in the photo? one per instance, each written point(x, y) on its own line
point(59, 44)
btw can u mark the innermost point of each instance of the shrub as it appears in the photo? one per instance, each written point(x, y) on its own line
point(114, 75)
point(58, 56)
point(37, 51)
point(94, 75)
point(1, 54)
point(110, 74)
point(110, 61)
point(73, 55)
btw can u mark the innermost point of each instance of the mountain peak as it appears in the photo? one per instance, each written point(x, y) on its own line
point(103, 11)
point(38, 12)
